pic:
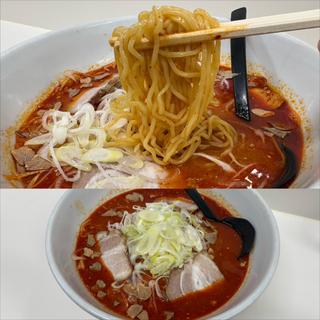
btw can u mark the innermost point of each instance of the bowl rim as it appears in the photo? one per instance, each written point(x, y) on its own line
point(56, 33)
point(94, 311)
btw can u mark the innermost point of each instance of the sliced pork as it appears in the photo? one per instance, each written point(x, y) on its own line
point(194, 276)
point(181, 203)
point(27, 158)
point(121, 176)
point(85, 178)
point(95, 94)
point(114, 254)
point(37, 163)
point(110, 87)
point(23, 154)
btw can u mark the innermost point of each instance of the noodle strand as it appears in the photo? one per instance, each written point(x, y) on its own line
point(168, 90)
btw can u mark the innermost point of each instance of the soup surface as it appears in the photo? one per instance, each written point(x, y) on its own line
point(224, 251)
point(257, 160)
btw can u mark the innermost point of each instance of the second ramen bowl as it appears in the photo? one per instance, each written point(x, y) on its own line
point(75, 206)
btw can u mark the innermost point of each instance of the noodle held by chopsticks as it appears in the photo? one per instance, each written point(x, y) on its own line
point(168, 90)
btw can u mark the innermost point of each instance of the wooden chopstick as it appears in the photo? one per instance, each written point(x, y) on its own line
point(236, 29)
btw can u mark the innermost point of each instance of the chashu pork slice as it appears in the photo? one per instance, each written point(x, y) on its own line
point(114, 254)
point(196, 275)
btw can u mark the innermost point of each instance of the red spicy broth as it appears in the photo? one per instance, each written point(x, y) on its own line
point(259, 161)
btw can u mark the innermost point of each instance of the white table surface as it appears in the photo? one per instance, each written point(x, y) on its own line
point(29, 291)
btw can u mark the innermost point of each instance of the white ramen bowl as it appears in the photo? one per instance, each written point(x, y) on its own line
point(29, 68)
point(76, 205)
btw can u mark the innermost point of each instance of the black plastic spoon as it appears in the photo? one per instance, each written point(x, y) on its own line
point(239, 66)
point(242, 226)
point(290, 168)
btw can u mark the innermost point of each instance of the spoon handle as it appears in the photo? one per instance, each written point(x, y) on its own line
point(239, 66)
point(202, 205)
